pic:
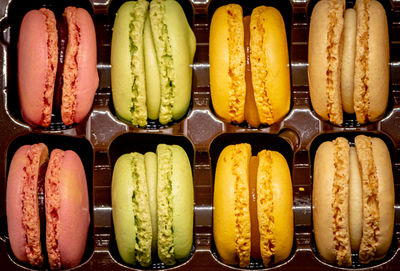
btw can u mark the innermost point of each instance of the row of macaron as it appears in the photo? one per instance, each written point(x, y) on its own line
point(353, 204)
point(151, 70)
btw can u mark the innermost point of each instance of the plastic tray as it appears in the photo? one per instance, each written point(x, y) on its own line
point(101, 137)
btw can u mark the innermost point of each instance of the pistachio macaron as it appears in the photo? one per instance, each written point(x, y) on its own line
point(152, 50)
point(152, 200)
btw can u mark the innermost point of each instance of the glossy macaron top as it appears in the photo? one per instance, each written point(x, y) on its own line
point(37, 65)
point(66, 196)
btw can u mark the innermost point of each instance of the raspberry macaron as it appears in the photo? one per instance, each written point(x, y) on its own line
point(47, 207)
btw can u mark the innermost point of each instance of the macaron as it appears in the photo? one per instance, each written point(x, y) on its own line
point(353, 200)
point(47, 206)
point(253, 217)
point(155, 191)
point(151, 74)
point(57, 78)
point(249, 65)
point(348, 57)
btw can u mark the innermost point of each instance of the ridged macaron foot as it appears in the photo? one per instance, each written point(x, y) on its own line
point(324, 58)
point(67, 209)
point(25, 179)
point(353, 200)
point(175, 46)
point(80, 77)
point(175, 199)
point(252, 192)
point(127, 62)
point(249, 65)
point(371, 75)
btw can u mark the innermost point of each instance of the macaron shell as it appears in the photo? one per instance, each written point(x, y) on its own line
point(16, 231)
point(21, 167)
point(33, 71)
point(183, 202)
point(231, 199)
point(377, 177)
point(228, 63)
point(81, 60)
point(122, 80)
point(183, 47)
point(74, 210)
point(282, 210)
point(123, 214)
point(269, 64)
point(386, 200)
point(326, 102)
point(153, 95)
point(372, 63)
point(322, 198)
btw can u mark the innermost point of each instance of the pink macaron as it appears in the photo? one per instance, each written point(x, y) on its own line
point(62, 181)
point(43, 60)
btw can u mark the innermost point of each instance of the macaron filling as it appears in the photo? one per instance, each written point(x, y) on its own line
point(165, 60)
point(32, 183)
point(332, 73)
point(142, 223)
point(165, 240)
point(138, 98)
point(62, 30)
point(341, 238)
point(370, 229)
point(250, 107)
point(361, 105)
point(265, 206)
point(255, 233)
point(51, 31)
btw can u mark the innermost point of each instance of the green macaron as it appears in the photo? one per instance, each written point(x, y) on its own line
point(152, 50)
point(155, 191)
